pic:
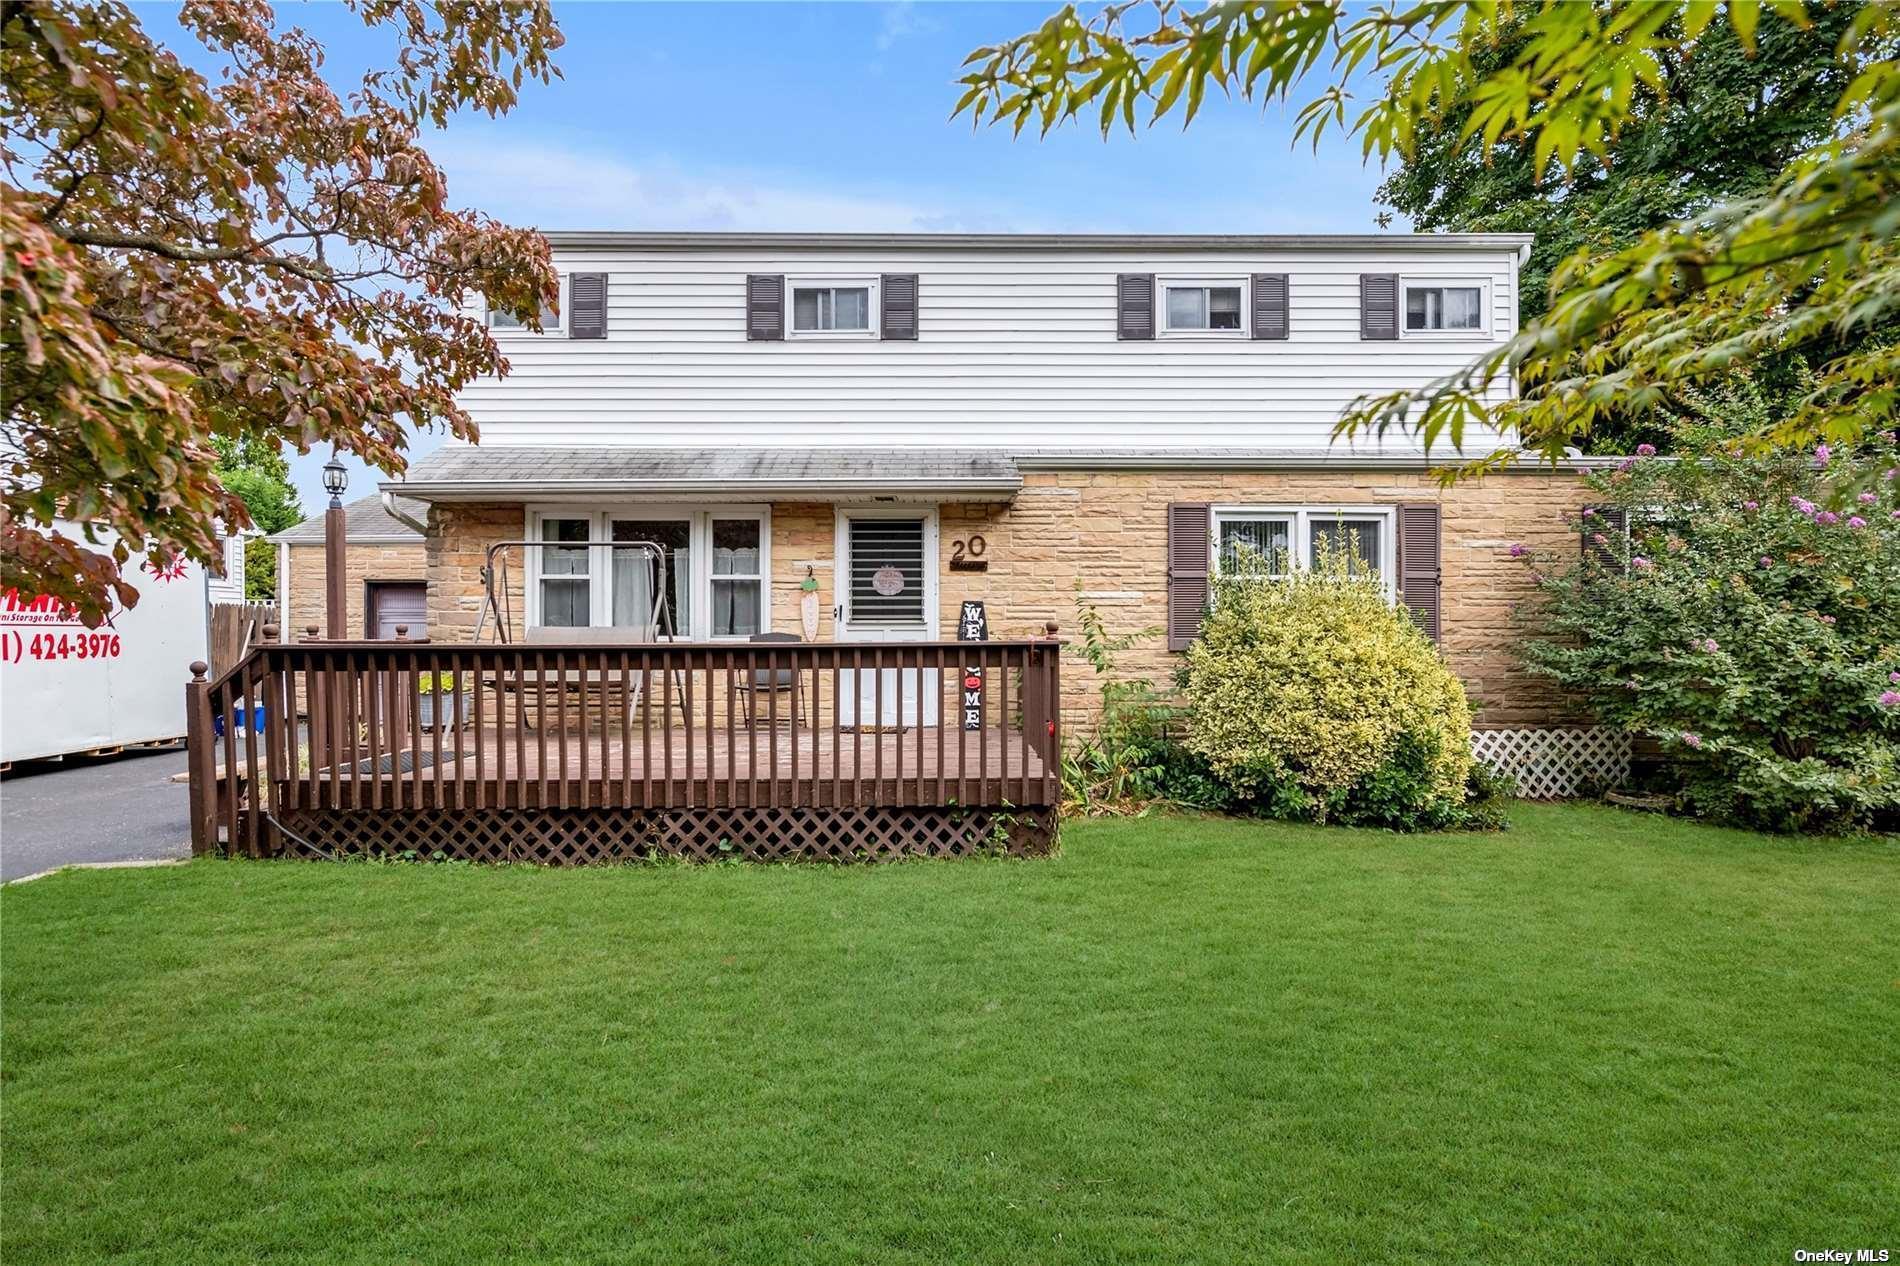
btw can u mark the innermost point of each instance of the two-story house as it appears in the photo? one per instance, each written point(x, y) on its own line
point(912, 421)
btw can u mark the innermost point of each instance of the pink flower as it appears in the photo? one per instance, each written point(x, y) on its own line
point(1751, 506)
point(1827, 518)
point(1599, 538)
point(1827, 619)
point(1890, 698)
point(1640, 563)
point(1895, 515)
point(1645, 450)
point(1767, 561)
point(1589, 512)
point(1856, 521)
point(1709, 646)
point(1519, 549)
point(1866, 498)
point(1894, 678)
point(1803, 505)
point(1692, 738)
point(1627, 464)
point(1822, 454)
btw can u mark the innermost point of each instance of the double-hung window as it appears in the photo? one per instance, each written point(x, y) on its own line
point(1276, 539)
point(507, 321)
point(1433, 306)
point(1203, 307)
point(678, 572)
point(832, 307)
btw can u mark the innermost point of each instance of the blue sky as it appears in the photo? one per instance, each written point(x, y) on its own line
point(832, 116)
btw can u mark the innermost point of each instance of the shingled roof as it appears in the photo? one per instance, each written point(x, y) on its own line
point(462, 472)
point(364, 522)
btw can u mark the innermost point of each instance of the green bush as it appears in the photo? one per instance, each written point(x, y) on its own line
point(1313, 697)
point(1749, 619)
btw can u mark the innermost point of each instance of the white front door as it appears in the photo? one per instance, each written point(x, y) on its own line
point(887, 592)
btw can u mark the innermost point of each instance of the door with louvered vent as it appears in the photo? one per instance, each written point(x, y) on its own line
point(887, 592)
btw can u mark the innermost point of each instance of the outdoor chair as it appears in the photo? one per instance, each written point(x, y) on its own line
point(772, 680)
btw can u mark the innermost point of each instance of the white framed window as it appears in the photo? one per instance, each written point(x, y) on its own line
point(1291, 536)
point(505, 322)
point(712, 565)
point(1204, 307)
point(832, 307)
point(1444, 307)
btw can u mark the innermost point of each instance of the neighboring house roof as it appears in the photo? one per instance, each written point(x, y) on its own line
point(465, 473)
point(585, 238)
point(364, 522)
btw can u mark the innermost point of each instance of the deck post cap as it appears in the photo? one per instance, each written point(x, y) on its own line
point(402, 632)
point(198, 669)
point(1050, 628)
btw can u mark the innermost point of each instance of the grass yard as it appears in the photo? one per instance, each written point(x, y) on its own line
point(1601, 1037)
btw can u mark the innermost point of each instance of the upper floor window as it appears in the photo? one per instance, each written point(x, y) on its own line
point(1441, 307)
point(832, 307)
point(1202, 307)
point(550, 320)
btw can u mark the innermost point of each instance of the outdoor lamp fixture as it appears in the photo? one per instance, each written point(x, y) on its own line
point(335, 479)
point(335, 604)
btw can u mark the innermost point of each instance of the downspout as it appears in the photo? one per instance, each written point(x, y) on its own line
point(389, 508)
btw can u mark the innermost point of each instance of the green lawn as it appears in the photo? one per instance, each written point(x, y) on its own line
point(1599, 1037)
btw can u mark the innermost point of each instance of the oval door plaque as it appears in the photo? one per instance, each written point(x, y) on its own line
point(887, 582)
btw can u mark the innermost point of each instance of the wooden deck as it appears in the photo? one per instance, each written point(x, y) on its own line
point(675, 768)
point(574, 753)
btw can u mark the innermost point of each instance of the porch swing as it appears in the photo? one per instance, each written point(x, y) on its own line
point(646, 616)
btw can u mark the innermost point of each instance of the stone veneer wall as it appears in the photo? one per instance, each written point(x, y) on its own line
point(1104, 535)
point(407, 562)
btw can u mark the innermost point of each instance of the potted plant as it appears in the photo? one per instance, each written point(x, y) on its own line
point(437, 697)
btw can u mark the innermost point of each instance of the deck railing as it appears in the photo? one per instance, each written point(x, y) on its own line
point(398, 727)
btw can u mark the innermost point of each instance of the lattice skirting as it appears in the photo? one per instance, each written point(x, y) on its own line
point(568, 837)
point(1551, 764)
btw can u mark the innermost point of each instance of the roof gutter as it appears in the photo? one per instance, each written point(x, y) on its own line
point(390, 508)
point(612, 239)
point(726, 489)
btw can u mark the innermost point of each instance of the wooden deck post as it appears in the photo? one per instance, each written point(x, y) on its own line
point(200, 763)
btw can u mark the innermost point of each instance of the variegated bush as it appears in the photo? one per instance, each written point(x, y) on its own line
point(1312, 684)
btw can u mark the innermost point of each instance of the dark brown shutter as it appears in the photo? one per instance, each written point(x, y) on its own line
point(1269, 305)
point(1189, 523)
point(587, 305)
point(897, 304)
point(764, 307)
point(1419, 565)
point(1378, 305)
point(1611, 523)
point(1135, 305)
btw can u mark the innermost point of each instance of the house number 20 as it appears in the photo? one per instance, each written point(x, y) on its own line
point(967, 555)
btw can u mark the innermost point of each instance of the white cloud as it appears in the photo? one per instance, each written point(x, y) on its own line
point(551, 187)
point(902, 20)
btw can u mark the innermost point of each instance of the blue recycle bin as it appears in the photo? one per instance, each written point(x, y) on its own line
point(247, 717)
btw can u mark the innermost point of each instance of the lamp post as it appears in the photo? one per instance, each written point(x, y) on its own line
point(335, 599)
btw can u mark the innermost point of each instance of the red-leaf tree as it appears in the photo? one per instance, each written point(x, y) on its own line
point(254, 257)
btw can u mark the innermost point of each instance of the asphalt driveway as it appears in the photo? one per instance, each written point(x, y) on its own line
point(92, 809)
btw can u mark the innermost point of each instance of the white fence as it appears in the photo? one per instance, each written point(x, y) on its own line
point(1551, 764)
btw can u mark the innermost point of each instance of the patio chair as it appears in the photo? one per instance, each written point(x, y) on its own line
point(769, 680)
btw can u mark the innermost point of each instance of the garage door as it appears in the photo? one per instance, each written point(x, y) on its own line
point(397, 602)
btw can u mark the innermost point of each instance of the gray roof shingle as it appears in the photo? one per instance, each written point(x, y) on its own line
point(463, 471)
point(363, 520)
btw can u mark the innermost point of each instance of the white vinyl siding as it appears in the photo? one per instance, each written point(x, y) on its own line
point(1016, 349)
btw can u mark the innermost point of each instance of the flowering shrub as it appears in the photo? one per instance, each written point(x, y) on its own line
point(1749, 619)
point(1313, 697)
